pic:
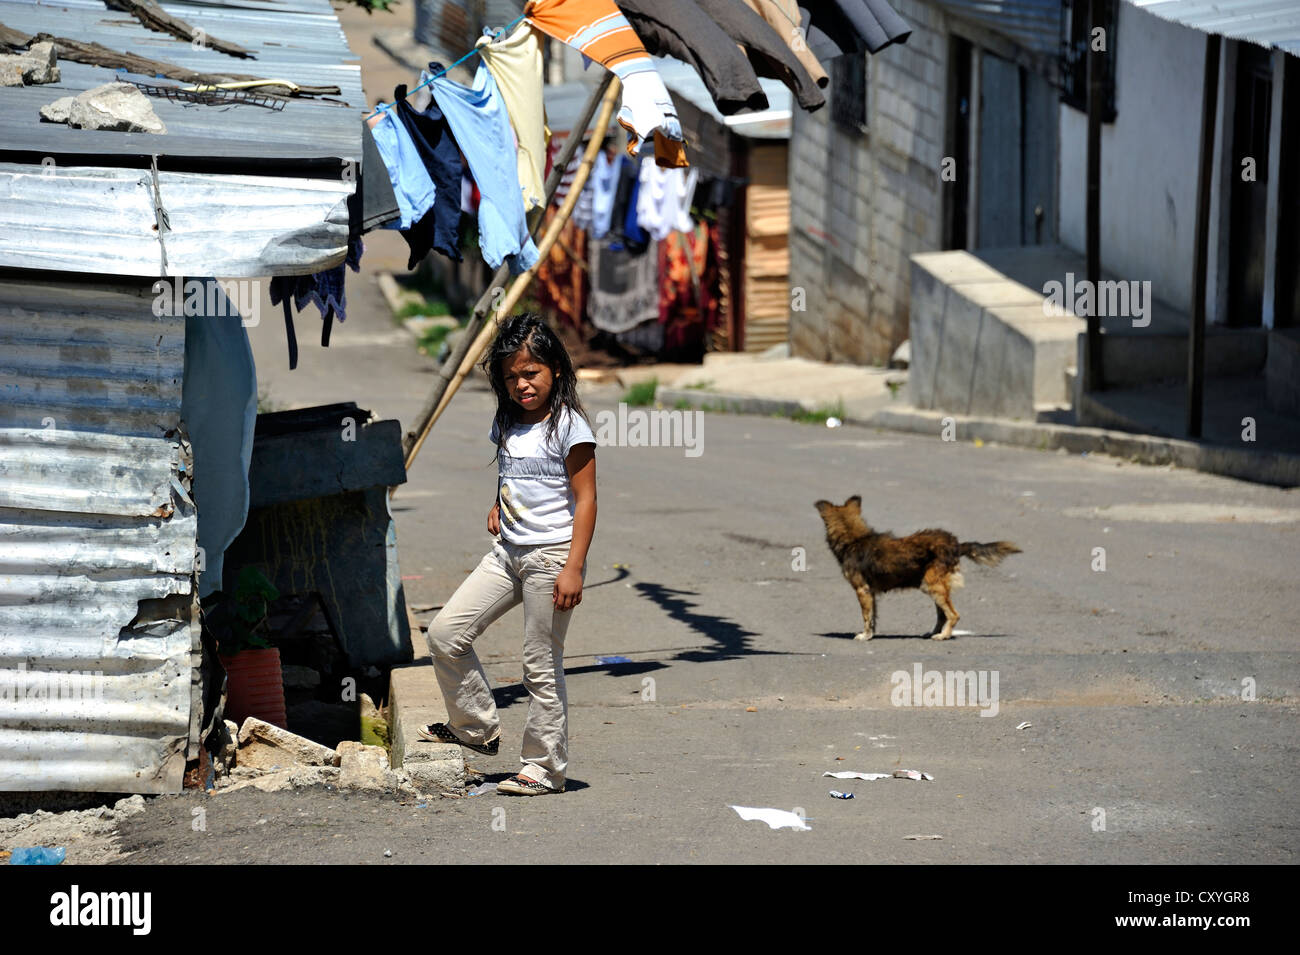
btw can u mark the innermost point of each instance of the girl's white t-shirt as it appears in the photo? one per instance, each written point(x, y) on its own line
point(537, 504)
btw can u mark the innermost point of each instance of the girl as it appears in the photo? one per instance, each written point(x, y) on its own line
point(542, 521)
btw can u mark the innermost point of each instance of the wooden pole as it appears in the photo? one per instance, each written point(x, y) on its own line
point(1196, 331)
point(498, 280)
point(489, 329)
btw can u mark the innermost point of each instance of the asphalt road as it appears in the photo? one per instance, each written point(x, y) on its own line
point(1132, 677)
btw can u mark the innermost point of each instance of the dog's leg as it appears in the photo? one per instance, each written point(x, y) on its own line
point(868, 603)
point(938, 584)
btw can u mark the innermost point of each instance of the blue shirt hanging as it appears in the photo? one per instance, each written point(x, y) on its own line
point(481, 125)
point(406, 170)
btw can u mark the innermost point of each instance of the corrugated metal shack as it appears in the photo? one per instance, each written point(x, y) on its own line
point(99, 634)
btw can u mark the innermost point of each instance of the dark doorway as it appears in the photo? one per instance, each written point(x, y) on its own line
point(1286, 303)
point(1249, 199)
point(959, 189)
point(1019, 120)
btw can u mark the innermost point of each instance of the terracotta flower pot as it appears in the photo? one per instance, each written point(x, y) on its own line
point(255, 687)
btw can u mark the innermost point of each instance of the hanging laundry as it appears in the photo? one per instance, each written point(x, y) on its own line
point(439, 227)
point(479, 121)
point(624, 233)
point(601, 32)
point(635, 239)
point(603, 184)
point(561, 283)
point(664, 198)
point(624, 288)
point(406, 170)
point(680, 29)
point(836, 27)
point(715, 192)
point(325, 290)
point(516, 64)
point(768, 53)
point(689, 305)
point(783, 17)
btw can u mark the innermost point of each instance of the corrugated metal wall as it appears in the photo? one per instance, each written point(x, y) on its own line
point(98, 691)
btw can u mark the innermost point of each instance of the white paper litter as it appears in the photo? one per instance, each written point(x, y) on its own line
point(775, 818)
point(1025, 725)
point(918, 836)
point(911, 774)
point(868, 776)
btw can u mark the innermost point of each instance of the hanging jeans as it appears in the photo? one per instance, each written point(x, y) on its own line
point(508, 575)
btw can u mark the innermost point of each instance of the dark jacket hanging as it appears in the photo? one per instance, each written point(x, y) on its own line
point(836, 27)
point(769, 55)
point(680, 29)
point(438, 228)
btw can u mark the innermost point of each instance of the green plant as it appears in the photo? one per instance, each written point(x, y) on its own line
point(819, 415)
point(427, 309)
point(239, 618)
point(699, 386)
point(431, 339)
point(642, 393)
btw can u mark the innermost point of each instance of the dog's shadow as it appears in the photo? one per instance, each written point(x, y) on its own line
point(907, 636)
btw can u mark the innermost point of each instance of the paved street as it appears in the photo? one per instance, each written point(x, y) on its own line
point(1131, 676)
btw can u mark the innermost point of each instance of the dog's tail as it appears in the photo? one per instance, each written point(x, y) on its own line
point(990, 555)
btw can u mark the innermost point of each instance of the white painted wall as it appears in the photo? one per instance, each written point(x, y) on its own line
point(1149, 158)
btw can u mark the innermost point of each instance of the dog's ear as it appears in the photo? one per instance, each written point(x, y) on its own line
point(822, 505)
point(855, 502)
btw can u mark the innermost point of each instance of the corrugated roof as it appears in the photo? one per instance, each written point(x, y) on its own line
point(97, 214)
point(95, 517)
point(92, 219)
point(1265, 22)
point(300, 41)
point(1033, 24)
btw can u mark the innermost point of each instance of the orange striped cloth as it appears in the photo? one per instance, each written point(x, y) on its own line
point(600, 31)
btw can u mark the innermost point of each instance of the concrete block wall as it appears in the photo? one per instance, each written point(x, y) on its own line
point(862, 203)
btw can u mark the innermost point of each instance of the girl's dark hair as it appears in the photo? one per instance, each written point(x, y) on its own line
point(530, 332)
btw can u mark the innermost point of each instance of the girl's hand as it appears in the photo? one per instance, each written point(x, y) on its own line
point(568, 589)
point(494, 519)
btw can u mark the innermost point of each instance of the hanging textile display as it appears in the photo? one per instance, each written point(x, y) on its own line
point(624, 288)
point(689, 306)
point(515, 62)
point(561, 283)
point(602, 33)
point(481, 125)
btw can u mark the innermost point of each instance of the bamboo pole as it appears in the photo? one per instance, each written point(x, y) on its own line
point(498, 280)
point(446, 389)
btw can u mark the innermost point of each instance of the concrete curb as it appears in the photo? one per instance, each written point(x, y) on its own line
point(1262, 467)
point(414, 699)
point(724, 401)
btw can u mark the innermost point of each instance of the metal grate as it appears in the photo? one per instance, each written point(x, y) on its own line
point(211, 97)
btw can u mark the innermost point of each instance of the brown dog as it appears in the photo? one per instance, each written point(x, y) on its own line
point(876, 561)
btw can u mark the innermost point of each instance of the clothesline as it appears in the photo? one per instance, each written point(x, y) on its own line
point(447, 69)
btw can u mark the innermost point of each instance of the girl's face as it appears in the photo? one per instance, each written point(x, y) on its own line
point(528, 382)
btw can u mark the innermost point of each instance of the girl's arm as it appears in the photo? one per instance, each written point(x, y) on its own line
point(581, 464)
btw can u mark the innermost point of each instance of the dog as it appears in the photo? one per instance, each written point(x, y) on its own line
point(876, 561)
